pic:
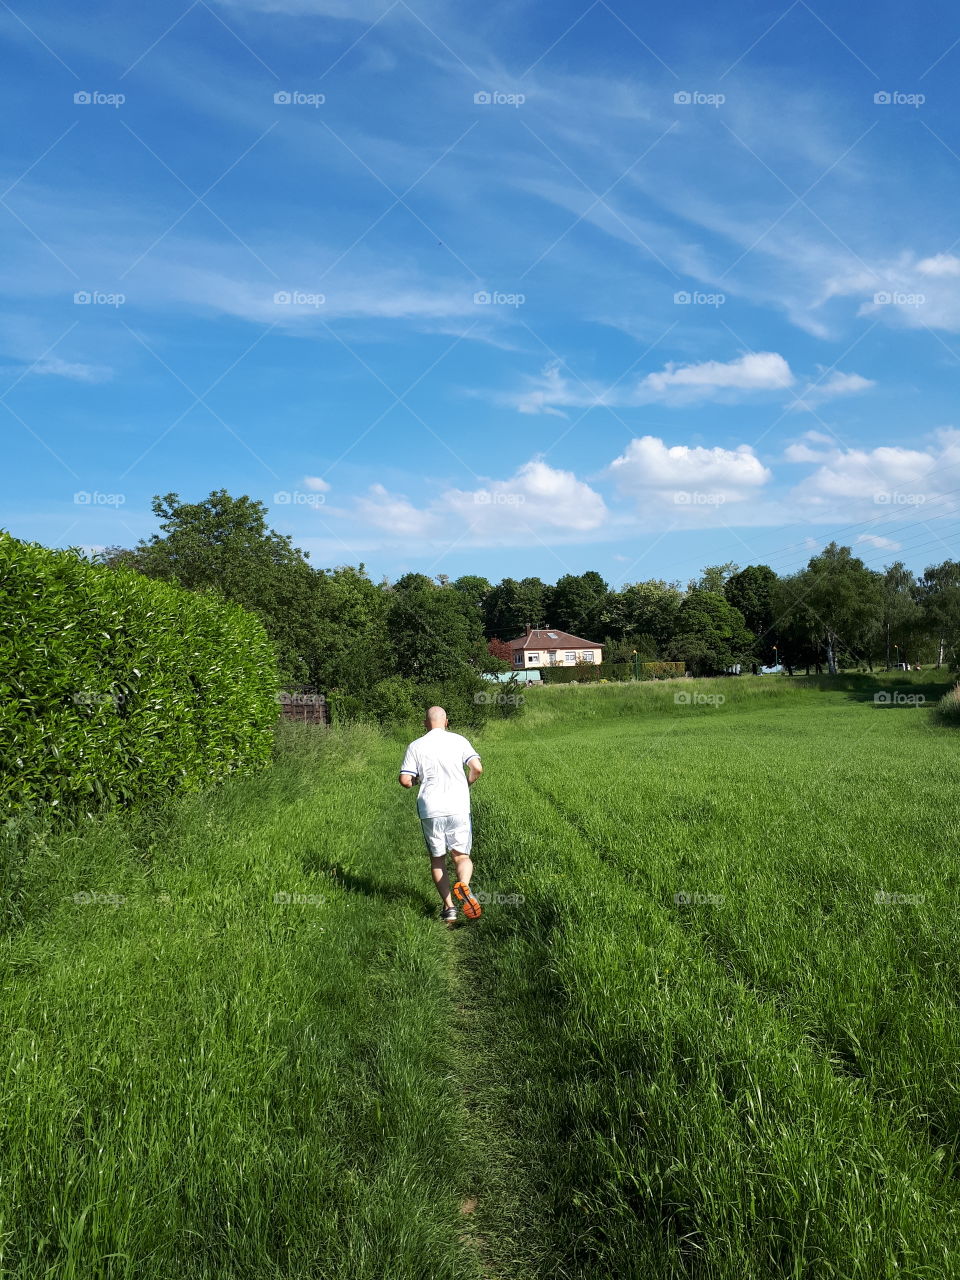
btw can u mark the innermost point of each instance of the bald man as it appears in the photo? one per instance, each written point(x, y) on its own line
point(437, 761)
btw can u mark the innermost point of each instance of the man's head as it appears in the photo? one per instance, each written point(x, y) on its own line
point(436, 718)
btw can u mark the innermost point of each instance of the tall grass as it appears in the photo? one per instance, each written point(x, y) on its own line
point(687, 1038)
point(204, 1081)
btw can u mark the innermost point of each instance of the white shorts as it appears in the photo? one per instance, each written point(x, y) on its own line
point(444, 834)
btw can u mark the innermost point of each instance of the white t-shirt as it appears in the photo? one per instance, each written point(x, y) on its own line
point(438, 759)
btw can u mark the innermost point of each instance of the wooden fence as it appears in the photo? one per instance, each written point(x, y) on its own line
point(303, 703)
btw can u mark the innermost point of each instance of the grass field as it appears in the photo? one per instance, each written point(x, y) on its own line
point(716, 1037)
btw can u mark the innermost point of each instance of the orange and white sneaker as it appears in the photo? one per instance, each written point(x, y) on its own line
point(471, 907)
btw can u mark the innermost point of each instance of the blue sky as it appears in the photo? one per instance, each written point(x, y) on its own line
point(509, 289)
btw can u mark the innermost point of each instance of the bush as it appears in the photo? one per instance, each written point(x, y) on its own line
point(118, 688)
point(948, 708)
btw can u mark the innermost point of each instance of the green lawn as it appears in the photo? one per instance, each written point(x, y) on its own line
point(718, 1036)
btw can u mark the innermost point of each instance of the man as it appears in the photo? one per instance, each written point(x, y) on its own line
point(437, 762)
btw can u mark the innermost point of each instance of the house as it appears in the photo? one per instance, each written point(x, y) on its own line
point(546, 648)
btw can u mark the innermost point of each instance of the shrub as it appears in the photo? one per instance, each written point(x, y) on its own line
point(948, 708)
point(118, 688)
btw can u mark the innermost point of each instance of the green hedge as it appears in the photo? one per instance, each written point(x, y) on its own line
point(115, 688)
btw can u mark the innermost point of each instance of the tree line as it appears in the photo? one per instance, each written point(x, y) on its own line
point(381, 647)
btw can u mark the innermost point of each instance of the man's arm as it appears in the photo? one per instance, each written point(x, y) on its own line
point(474, 770)
point(407, 779)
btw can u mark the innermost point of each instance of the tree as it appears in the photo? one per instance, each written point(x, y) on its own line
point(900, 613)
point(511, 605)
point(714, 577)
point(651, 608)
point(576, 603)
point(434, 632)
point(844, 597)
point(751, 591)
point(475, 588)
point(940, 600)
point(711, 634)
point(223, 544)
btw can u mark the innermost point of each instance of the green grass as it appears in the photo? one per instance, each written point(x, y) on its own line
point(701, 1046)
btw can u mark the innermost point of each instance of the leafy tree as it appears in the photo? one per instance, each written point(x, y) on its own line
point(844, 597)
point(651, 608)
point(475, 588)
point(714, 577)
point(576, 604)
point(512, 604)
point(711, 634)
point(900, 613)
point(751, 591)
point(798, 628)
point(434, 632)
point(939, 594)
point(223, 544)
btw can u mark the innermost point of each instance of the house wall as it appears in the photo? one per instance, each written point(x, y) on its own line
point(544, 660)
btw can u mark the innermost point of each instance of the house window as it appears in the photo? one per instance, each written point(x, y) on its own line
point(552, 657)
point(518, 658)
point(533, 657)
point(588, 655)
point(570, 656)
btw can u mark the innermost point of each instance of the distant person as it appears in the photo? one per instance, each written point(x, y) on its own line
point(437, 761)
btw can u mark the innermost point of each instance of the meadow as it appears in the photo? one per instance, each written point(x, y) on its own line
point(706, 1026)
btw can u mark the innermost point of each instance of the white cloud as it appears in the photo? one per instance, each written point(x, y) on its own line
point(77, 371)
point(755, 371)
point(317, 484)
point(904, 483)
point(941, 264)
point(653, 473)
point(538, 501)
point(674, 384)
point(907, 291)
point(837, 384)
point(878, 541)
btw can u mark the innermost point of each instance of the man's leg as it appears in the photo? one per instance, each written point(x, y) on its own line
point(471, 905)
point(438, 869)
point(463, 864)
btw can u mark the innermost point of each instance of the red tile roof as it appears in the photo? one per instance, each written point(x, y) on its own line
point(552, 639)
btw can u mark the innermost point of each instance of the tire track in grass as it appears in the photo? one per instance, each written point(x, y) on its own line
point(843, 1051)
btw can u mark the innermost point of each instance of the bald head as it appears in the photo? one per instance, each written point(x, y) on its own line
point(436, 718)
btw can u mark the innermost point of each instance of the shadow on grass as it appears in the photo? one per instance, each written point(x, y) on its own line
point(352, 882)
point(898, 687)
